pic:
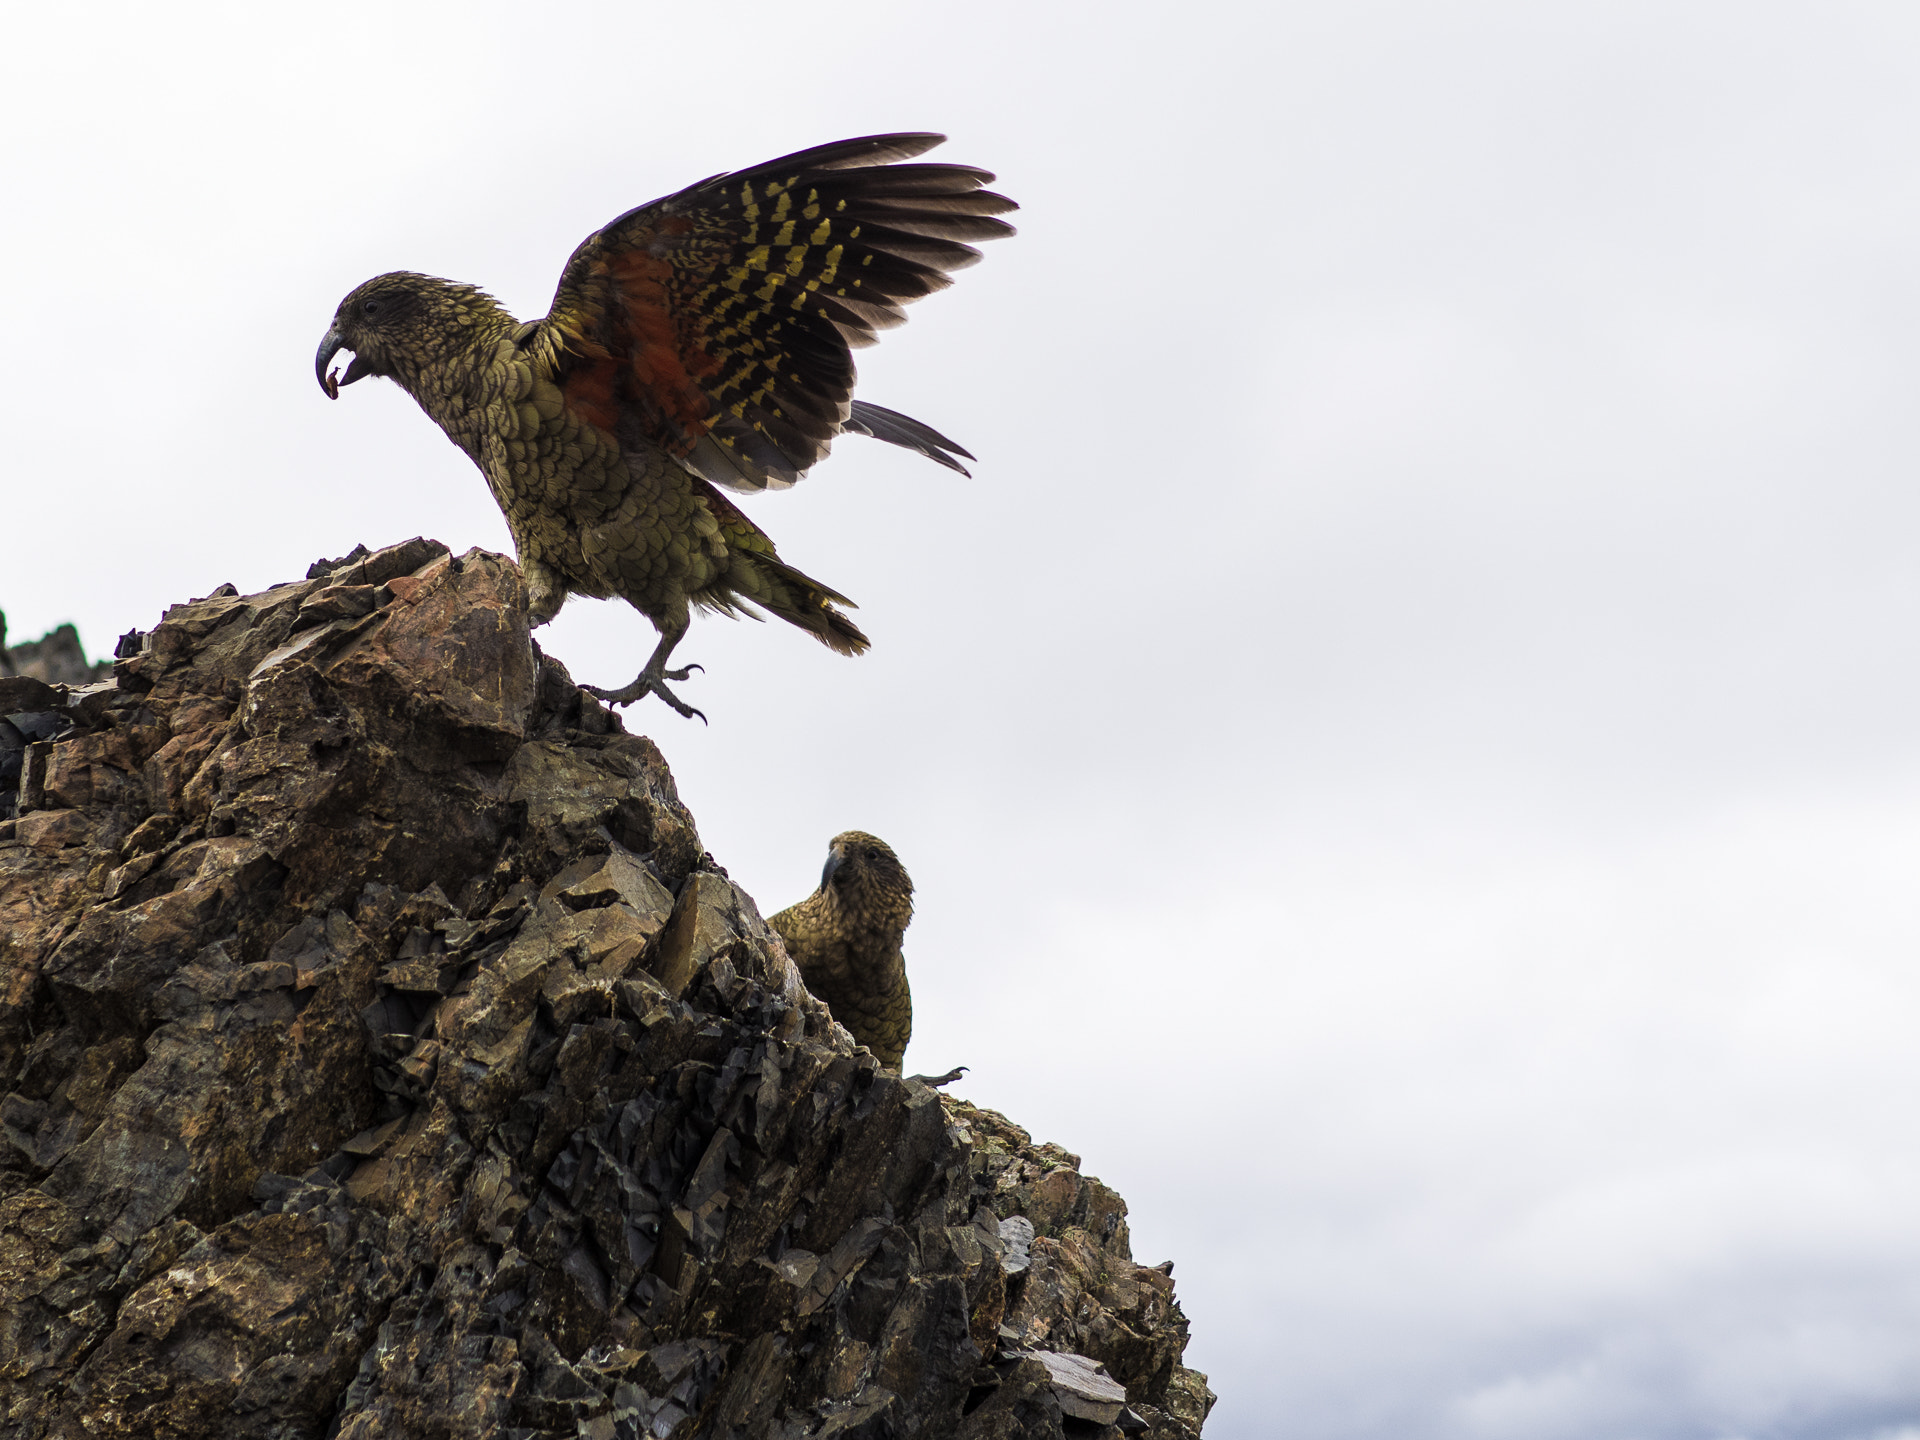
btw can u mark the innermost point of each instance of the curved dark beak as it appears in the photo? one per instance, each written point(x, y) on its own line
point(833, 864)
point(331, 383)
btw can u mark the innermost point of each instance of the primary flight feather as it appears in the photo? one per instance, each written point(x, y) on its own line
point(702, 340)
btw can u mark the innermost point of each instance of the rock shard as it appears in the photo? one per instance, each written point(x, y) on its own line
point(384, 1056)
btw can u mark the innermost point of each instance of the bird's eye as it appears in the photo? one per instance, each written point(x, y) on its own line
point(369, 307)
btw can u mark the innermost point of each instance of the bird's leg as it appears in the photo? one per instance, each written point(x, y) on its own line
point(652, 680)
point(546, 590)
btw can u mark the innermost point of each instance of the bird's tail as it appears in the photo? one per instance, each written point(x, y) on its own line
point(781, 590)
point(758, 575)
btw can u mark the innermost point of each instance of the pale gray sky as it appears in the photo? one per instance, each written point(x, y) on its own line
point(1409, 743)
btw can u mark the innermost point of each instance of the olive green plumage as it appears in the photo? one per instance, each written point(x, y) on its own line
point(845, 937)
point(699, 341)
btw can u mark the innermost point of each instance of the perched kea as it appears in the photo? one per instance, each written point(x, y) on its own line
point(699, 341)
point(845, 937)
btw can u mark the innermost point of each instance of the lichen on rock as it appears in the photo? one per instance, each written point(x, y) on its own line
point(385, 1056)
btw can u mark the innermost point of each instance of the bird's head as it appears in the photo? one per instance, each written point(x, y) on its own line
point(395, 324)
point(862, 867)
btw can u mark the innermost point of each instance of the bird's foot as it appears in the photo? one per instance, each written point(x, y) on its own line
point(938, 1080)
point(651, 682)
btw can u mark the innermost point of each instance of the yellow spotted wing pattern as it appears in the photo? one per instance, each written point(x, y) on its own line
point(717, 323)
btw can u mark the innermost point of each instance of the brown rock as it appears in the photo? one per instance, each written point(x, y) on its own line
point(383, 1057)
point(1082, 1387)
point(56, 658)
point(1080, 1291)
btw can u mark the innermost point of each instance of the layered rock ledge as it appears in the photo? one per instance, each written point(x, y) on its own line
point(385, 1056)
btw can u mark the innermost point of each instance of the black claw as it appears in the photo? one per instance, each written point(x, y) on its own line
point(676, 702)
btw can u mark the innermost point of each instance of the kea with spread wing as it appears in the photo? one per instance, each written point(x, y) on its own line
point(845, 937)
point(697, 342)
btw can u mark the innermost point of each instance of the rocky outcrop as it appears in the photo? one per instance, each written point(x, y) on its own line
point(385, 1056)
point(56, 657)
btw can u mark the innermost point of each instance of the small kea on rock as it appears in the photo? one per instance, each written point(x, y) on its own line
point(845, 937)
point(700, 341)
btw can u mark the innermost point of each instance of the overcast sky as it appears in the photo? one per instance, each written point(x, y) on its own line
point(1409, 742)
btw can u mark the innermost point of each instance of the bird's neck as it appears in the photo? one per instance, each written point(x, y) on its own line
point(458, 367)
point(871, 906)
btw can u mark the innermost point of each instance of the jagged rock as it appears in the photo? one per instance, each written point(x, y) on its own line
point(56, 657)
point(385, 1056)
point(34, 684)
point(1082, 1387)
point(1016, 1235)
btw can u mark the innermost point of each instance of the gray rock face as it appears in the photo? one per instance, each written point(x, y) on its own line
point(384, 1056)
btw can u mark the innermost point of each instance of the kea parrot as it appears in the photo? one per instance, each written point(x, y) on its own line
point(845, 937)
point(699, 341)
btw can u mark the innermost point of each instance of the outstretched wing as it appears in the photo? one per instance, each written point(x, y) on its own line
point(717, 323)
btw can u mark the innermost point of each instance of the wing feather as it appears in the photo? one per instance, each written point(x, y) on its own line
point(718, 322)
